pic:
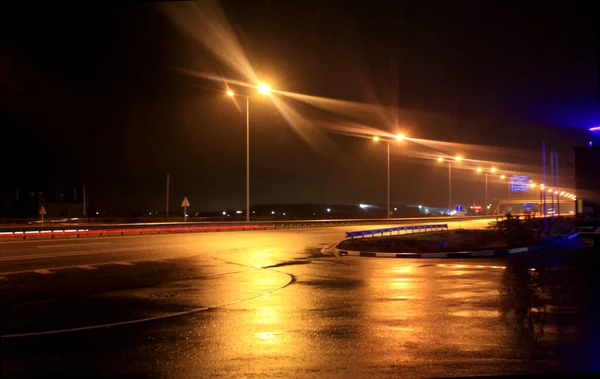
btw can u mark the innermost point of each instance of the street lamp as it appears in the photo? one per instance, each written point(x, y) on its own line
point(507, 184)
point(492, 170)
point(399, 137)
point(263, 89)
point(457, 158)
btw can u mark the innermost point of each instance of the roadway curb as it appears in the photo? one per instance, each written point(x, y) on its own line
point(462, 254)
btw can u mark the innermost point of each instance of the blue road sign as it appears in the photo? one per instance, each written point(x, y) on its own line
point(459, 208)
point(519, 183)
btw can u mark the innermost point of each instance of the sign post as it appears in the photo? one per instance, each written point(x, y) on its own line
point(185, 203)
point(42, 213)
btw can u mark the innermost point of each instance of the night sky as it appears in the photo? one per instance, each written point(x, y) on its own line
point(94, 93)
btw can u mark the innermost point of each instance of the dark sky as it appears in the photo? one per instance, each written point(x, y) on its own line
point(91, 92)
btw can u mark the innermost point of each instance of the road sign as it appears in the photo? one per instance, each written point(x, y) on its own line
point(519, 183)
point(185, 203)
point(459, 208)
point(42, 212)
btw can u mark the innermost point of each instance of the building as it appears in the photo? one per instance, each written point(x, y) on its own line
point(587, 181)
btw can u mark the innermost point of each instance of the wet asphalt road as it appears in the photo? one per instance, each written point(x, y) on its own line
point(270, 304)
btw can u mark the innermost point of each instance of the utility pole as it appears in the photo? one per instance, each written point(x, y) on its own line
point(167, 199)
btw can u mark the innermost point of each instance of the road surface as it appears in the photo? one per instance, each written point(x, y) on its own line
point(270, 304)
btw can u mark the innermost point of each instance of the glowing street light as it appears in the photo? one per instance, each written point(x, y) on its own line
point(399, 137)
point(492, 170)
point(502, 176)
point(457, 158)
point(532, 185)
point(264, 89)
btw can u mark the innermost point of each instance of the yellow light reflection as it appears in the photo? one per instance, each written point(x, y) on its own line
point(267, 337)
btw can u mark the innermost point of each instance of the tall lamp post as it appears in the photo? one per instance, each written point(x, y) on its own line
point(399, 137)
point(263, 89)
point(457, 159)
point(492, 170)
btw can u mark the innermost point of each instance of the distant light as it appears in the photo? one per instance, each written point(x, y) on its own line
point(186, 215)
point(400, 137)
point(479, 169)
point(223, 213)
point(562, 193)
point(253, 211)
point(149, 213)
point(97, 213)
point(364, 206)
point(595, 129)
point(284, 213)
point(272, 212)
point(549, 189)
point(532, 185)
point(264, 88)
point(458, 158)
point(238, 212)
point(440, 159)
point(376, 138)
point(502, 176)
point(230, 93)
point(420, 206)
point(313, 214)
point(542, 185)
point(395, 209)
point(555, 191)
point(328, 210)
point(493, 169)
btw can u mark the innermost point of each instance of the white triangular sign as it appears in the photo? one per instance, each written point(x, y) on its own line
point(185, 202)
point(42, 211)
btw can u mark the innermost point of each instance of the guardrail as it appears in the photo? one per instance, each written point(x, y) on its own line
point(54, 231)
point(406, 229)
point(115, 231)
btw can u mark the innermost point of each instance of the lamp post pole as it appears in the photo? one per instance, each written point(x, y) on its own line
point(449, 184)
point(388, 180)
point(247, 158)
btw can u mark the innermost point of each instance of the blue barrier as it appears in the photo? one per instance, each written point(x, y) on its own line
point(398, 229)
